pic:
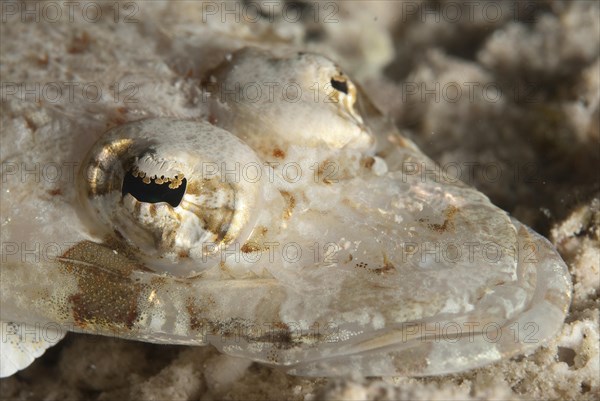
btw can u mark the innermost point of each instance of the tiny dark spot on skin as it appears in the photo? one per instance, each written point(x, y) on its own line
point(55, 192)
point(119, 120)
point(256, 240)
point(80, 43)
point(440, 228)
point(448, 224)
point(223, 266)
point(387, 267)
point(291, 204)
point(158, 281)
point(183, 254)
point(193, 187)
point(250, 247)
point(196, 323)
point(324, 174)
point(273, 356)
point(280, 336)
point(278, 153)
point(79, 314)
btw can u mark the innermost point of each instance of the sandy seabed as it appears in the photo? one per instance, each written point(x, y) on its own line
point(500, 87)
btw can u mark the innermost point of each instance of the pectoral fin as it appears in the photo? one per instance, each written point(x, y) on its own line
point(22, 343)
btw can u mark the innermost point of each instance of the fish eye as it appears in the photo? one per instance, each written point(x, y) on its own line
point(156, 185)
point(340, 85)
point(312, 102)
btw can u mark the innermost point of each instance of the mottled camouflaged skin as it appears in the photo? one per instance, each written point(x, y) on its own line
point(356, 263)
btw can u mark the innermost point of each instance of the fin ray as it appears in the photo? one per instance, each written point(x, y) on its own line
point(22, 343)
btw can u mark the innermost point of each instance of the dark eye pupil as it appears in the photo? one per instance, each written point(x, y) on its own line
point(342, 86)
point(152, 192)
